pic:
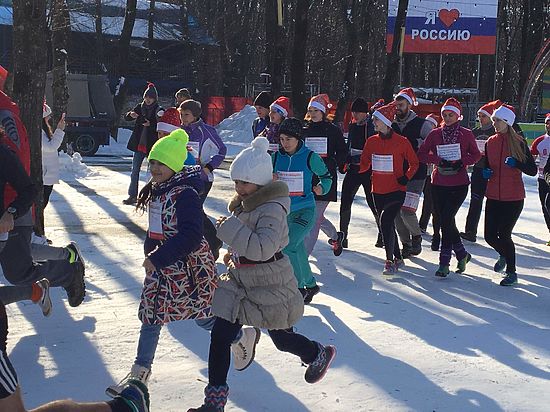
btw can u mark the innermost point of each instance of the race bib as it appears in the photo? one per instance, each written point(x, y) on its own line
point(481, 145)
point(155, 220)
point(450, 152)
point(382, 164)
point(318, 144)
point(273, 147)
point(294, 181)
point(411, 201)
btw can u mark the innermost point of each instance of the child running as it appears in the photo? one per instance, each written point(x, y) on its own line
point(260, 288)
point(296, 165)
point(387, 153)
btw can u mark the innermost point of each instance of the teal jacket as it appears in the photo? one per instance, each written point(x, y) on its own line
point(309, 164)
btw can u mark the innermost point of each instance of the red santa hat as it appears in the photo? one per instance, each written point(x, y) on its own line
point(506, 113)
point(547, 118)
point(46, 110)
point(281, 106)
point(488, 108)
point(320, 102)
point(434, 119)
point(453, 105)
point(169, 121)
point(379, 103)
point(386, 113)
point(408, 95)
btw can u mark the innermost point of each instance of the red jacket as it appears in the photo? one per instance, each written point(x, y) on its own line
point(14, 135)
point(390, 159)
point(506, 183)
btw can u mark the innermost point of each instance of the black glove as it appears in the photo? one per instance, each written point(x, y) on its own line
point(445, 164)
point(403, 180)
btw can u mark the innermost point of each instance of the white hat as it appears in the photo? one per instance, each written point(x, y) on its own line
point(253, 164)
point(46, 110)
point(506, 114)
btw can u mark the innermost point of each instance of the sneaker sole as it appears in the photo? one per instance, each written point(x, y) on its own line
point(328, 364)
point(258, 335)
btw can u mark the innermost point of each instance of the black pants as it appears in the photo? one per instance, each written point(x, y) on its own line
point(447, 202)
point(500, 219)
point(20, 269)
point(544, 196)
point(388, 205)
point(428, 209)
point(224, 333)
point(208, 227)
point(46, 194)
point(352, 181)
point(8, 377)
point(478, 188)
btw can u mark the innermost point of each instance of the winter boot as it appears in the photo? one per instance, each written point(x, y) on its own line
point(510, 279)
point(416, 245)
point(309, 293)
point(44, 302)
point(436, 240)
point(135, 395)
point(131, 200)
point(215, 398)
point(406, 251)
point(318, 368)
point(77, 289)
point(461, 267)
point(244, 350)
point(398, 263)
point(137, 373)
point(337, 247)
point(442, 271)
point(500, 264)
point(389, 268)
point(379, 241)
point(469, 236)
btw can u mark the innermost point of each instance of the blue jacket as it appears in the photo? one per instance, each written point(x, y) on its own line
point(309, 163)
point(212, 150)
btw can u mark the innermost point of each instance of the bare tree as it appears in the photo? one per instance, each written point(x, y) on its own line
point(123, 54)
point(60, 38)
point(392, 66)
point(100, 53)
point(298, 61)
point(274, 44)
point(29, 81)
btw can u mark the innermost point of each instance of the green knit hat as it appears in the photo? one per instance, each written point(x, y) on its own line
point(171, 150)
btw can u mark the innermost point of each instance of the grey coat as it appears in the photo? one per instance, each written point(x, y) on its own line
point(263, 295)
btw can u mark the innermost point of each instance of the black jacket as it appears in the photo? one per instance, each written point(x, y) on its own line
point(12, 172)
point(336, 153)
point(138, 128)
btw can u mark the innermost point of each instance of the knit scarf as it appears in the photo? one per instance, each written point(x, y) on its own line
point(451, 133)
point(272, 133)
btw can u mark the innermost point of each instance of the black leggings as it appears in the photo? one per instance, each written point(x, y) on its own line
point(447, 202)
point(477, 190)
point(428, 209)
point(208, 227)
point(388, 205)
point(46, 194)
point(500, 219)
point(224, 333)
point(544, 196)
point(352, 181)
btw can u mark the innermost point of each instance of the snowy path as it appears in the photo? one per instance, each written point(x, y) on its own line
point(411, 343)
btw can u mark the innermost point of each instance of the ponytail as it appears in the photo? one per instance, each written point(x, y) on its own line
point(516, 143)
point(46, 128)
point(144, 197)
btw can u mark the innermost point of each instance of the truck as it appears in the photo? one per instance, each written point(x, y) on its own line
point(90, 116)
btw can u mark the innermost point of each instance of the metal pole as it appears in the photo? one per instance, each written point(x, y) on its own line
point(440, 68)
point(478, 72)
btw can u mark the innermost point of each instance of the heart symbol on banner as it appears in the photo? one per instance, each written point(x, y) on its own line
point(448, 17)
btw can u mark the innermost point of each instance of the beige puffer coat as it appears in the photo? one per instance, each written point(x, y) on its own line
point(263, 295)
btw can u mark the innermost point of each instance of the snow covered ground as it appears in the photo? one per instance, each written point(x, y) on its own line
point(411, 343)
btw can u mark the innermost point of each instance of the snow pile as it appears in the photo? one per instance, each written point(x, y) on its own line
point(72, 166)
point(236, 130)
point(118, 147)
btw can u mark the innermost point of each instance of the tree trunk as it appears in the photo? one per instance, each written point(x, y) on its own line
point(121, 69)
point(274, 47)
point(99, 35)
point(392, 68)
point(351, 41)
point(184, 20)
point(532, 31)
point(29, 80)
point(60, 37)
point(298, 64)
point(151, 30)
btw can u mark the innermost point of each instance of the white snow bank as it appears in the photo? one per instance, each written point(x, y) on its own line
point(236, 130)
point(118, 147)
